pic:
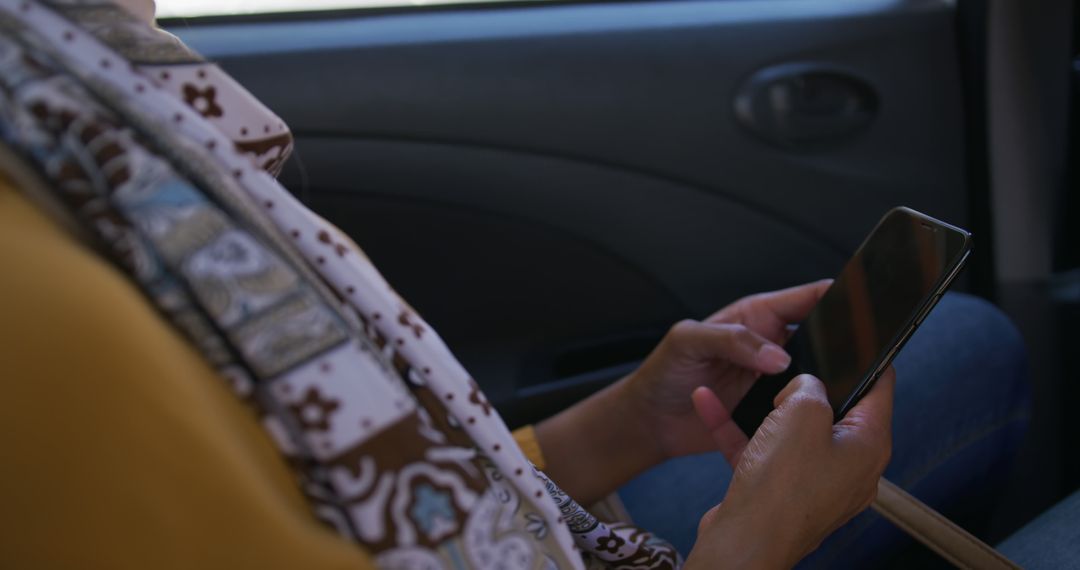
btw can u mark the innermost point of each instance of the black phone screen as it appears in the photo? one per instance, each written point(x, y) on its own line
point(867, 312)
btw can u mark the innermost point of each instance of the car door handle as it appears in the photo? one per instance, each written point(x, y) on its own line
point(805, 105)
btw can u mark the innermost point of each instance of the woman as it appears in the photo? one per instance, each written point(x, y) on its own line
point(153, 256)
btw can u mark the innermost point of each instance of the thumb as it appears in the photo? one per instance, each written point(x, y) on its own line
point(803, 405)
point(804, 388)
point(802, 415)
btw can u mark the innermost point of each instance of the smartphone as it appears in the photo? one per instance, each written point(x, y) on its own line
point(872, 308)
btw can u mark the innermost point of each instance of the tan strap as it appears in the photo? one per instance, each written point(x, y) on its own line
point(938, 533)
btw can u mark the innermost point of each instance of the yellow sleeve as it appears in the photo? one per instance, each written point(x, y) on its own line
point(121, 447)
point(526, 440)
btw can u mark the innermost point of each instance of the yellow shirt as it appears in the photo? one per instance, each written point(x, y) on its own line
point(121, 448)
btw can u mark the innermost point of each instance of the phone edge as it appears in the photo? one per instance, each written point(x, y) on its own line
point(914, 322)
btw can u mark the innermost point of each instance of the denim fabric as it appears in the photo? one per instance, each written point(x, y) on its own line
point(1050, 541)
point(960, 412)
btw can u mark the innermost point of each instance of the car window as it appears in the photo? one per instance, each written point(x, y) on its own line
point(195, 8)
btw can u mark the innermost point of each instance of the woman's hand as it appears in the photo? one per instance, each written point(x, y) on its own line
point(724, 353)
point(798, 480)
point(600, 443)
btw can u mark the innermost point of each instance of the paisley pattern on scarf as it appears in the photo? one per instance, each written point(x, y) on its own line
point(392, 442)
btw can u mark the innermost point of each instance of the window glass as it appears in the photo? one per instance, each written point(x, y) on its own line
point(191, 8)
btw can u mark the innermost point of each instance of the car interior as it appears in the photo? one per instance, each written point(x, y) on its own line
point(579, 175)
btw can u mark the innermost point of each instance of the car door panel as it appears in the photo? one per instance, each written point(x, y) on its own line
point(553, 185)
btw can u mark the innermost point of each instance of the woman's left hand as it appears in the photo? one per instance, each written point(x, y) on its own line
point(598, 444)
point(726, 352)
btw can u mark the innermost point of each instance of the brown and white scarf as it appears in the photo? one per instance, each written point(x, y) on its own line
point(165, 165)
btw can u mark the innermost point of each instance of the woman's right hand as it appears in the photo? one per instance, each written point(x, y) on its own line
point(800, 478)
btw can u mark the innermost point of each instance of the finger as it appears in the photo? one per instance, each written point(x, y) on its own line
point(707, 519)
point(793, 304)
point(866, 431)
point(730, 440)
point(709, 408)
point(730, 341)
point(874, 412)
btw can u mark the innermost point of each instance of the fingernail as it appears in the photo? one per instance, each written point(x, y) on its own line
point(773, 358)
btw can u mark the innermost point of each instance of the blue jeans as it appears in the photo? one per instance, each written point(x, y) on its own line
point(1051, 541)
point(960, 412)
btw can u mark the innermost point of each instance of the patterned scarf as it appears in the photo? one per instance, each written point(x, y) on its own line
point(164, 164)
